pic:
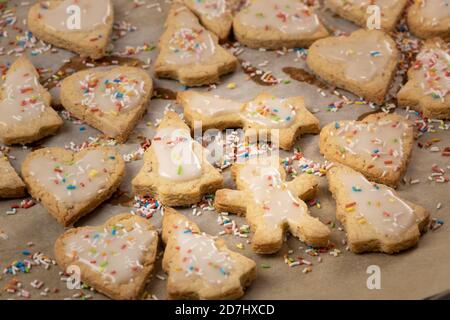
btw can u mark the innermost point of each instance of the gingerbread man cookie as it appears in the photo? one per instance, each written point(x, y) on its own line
point(363, 63)
point(357, 11)
point(375, 218)
point(379, 146)
point(111, 100)
point(25, 112)
point(273, 206)
point(201, 266)
point(116, 258)
point(189, 53)
point(259, 117)
point(11, 186)
point(81, 26)
point(176, 170)
point(430, 18)
point(70, 185)
point(277, 24)
point(428, 86)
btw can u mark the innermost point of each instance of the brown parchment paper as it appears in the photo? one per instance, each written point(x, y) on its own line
point(414, 274)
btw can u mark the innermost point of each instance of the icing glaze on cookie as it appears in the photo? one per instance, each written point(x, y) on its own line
point(211, 105)
point(116, 252)
point(384, 4)
point(287, 16)
point(174, 150)
point(435, 10)
point(21, 97)
point(271, 113)
point(199, 256)
point(92, 14)
point(190, 42)
point(433, 72)
point(270, 192)
point(379, 143)
point(377, 205)
point(190, 46)
point(211, 8)
point(363, 59)
point(74, 182)
point(112, 94)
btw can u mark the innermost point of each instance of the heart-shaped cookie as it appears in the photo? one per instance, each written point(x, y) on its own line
point(70, 185)
point(116, 258)
point(82, 26)
point(357, 11)
point(428, 19)
point(111, 100)
point(25, 112)
point(428, 86)
point(363, 63)
point(379, 146)
point(277, 24)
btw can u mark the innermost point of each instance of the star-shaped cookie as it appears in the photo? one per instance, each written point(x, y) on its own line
point(363, 63)
point(25, 112)
point(277, 24)
point(11, 186)
point(189, 53)
point(116, 258)
point(70, 185)
point(264, 116)
point(379, 146)
point(81, 26)
point(356, 11)
point(176, 170)
point(375, 218)
point(199, 265)
point(111, 100)
point(273, 206)
point(428, 86)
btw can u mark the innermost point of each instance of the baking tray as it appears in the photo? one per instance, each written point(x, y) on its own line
point(417, 273)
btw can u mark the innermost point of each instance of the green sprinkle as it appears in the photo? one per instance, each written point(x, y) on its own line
point(179, 169)
point(265, 266)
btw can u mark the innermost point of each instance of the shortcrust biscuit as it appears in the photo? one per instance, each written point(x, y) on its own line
point(363, 63)
point(199, 265)
point(111, 100)
point(356, 11)
point(11, 186)
point(273, 206)
point(116, 258)
point(375, 218)
point(379, 146)
point(259, 118)
point(176, 170)
point(428, 86)
point(215, 15)
point(25, 112)
point(70, 185)
point(430, 18)
point(189, 53)
point(81, 26)
point(277, 24)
